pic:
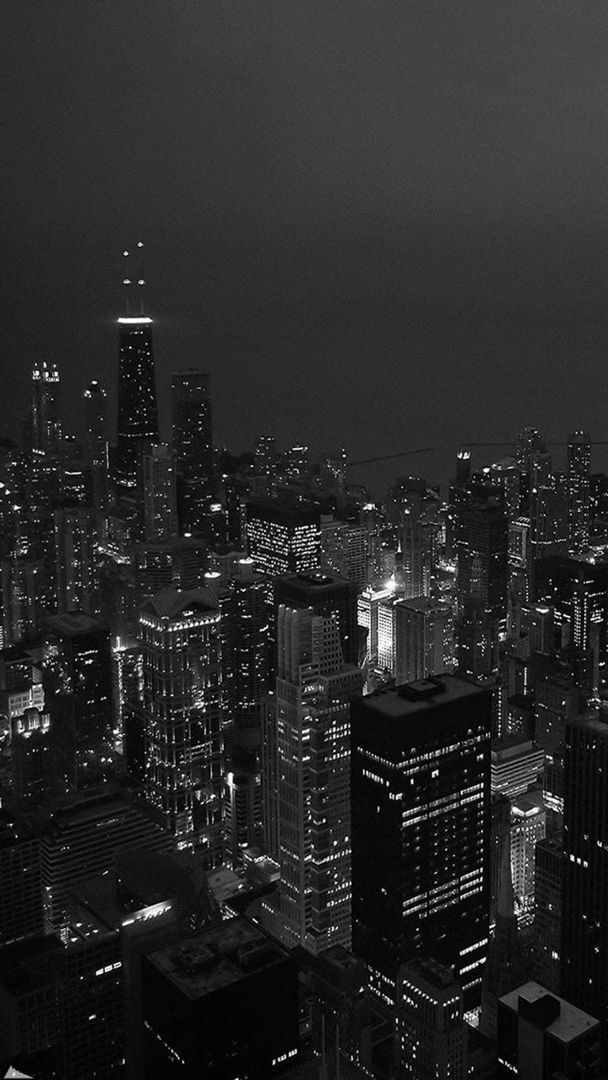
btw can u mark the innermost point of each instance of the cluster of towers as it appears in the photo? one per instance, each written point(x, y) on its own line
point(271, 749)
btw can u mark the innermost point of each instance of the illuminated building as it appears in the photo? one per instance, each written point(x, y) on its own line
point(283, 537)
point(421, 830)
point(548, 884)
point(79, 659)
point(579, 502)
point(27, 591)
point(424, 639)
point(192, 446)
point(417, 553)
point(577, 591)
point(314, 687)
point(430, 1031)
point(137, 411)
point(584, 943)
point(184, 740)
point(328, 595)
point(528, 826)
point(245, 629)
point(160, 511)
point(344, 549)
point(75, 557)
point(542, 1035)
point(481, 542)
point(379, 639)
point(265, 455)
point(96, 441)
point(221, 1004)
point(295, 463)
point(46, 417)
point(516, 765)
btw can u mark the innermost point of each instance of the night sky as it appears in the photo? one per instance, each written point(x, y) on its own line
point(382, 225)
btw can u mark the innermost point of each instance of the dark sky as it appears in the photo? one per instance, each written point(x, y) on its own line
point(377, 224)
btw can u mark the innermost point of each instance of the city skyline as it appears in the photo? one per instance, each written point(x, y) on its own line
point(404, 193)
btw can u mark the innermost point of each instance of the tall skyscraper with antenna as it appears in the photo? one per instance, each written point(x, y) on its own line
point(137, 409)
point(46, 417)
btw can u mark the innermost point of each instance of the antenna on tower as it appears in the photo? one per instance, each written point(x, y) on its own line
point(133, 274)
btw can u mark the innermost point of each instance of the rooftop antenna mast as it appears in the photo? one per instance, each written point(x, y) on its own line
point(133, 275)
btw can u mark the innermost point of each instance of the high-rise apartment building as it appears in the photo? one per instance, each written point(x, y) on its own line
point(192, 446)
point(183, 736)
point(137, 409)
point(314, 688)
point(421, 830)
point(579, 501)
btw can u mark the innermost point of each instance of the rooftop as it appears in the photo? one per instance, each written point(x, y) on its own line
point(568, 1024)
point(401, 702)
point(216, 958)
point(172, 603)
point(72, 623)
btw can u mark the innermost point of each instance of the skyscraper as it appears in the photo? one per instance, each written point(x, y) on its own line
point(315, 685)
point(160, 516)
point(421, 830)
point(579, 502)
point(184, 766)
point(584, 947)
point(46, 417)
point(137, 410)
point(192, 445)
point(283, 537)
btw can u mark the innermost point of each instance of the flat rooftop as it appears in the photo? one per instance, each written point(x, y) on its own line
point(222, 955)
point(571, 1021)
point(74, 623)
point(412, 699)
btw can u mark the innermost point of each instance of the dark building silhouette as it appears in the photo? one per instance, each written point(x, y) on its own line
point(584, 941)
point(421, 829)
point(222, 1004)
point(541, 1035)
point(137, 410)
point(192, 446)
point(79, 665)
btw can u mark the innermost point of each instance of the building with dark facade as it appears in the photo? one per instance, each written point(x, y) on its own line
point(192, 446)
point(283, 537)
point(219, 1005)
point(421, 829)
point(137, 409)
point(584, 939)
point(542, 1036)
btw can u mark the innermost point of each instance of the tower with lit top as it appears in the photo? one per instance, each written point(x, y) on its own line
point(137, 409)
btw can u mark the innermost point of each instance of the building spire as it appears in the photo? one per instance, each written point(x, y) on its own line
point(133, 276)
